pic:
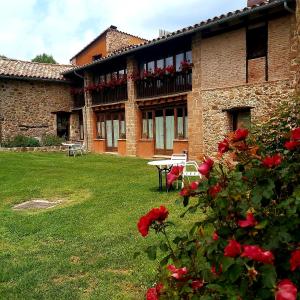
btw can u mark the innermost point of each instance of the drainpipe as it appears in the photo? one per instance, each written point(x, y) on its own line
point(287, 8)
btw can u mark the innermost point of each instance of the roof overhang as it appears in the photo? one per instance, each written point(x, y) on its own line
point(224, 20)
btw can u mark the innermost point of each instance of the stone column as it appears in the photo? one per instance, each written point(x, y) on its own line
point(194, 103)
point(87, 112)
point(131, 111)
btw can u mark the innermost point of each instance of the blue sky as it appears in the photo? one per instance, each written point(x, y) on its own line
point(63, 27)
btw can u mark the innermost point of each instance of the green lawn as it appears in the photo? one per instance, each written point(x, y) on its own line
point(84, 248)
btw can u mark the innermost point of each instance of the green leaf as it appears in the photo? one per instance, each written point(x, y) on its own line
point(151, 252)
point(262, 224)
point(136, 254)
point(163, 247)
point(235, 272)
point(268, 275)
point(226, 263)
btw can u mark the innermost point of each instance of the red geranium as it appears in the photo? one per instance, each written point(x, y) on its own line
point(154, 215)
point(233, 249)
point(286, 290)
point(240, 134)
point(185, 192)
point(215, 190)
point(272, 161)
point(295, 134)
point(223, 146)
point(249, 222)
point(295, 260)
point(177, 273)
point(258, 254)
point(206, 167)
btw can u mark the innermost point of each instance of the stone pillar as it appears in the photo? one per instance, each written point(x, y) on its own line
point(131, 111)
point(87, 112)
point(194, 103)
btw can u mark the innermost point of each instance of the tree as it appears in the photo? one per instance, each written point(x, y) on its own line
point(2, 56)
point(44, 58)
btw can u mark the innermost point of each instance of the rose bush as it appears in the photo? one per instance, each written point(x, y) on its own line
point(248, 245)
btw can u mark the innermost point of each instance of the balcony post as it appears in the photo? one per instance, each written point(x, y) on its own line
point(87, 112)
point(195, 118)
point(131, 110)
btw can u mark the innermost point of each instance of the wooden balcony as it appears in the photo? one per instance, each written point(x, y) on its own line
point(110, 95)
point(165, 85)
point(78, 100)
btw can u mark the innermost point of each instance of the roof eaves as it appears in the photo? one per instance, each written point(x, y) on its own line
point(185, 31)
point(34, 78)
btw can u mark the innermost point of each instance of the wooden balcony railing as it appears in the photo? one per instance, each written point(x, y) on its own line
point(78, 100)
point(110, 95)
point(167, 84)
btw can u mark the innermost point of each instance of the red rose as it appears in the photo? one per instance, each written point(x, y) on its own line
point(233, 249)
point(206, 167)
point(194, 185)
point(154, 215)
point(223, 146)
point(272, 161)
point(258, 254)
point(177, 273)
point(295, 260)
point(291, 145)
point(286, 290)
point(215, 236)
point(154, 292)
point(174, 174)
point(214, 190)
point(240, 134)
point(249, 222)
point(295, 134)
point(197, 284)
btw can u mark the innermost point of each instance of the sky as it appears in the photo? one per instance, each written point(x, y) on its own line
point(63, 27)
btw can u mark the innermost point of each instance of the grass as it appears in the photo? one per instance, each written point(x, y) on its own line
point(84, 248)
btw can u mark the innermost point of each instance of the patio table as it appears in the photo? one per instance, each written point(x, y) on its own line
point(164, 166)
point(70, 147)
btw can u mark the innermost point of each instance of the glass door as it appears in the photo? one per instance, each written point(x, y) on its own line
point(159, 131)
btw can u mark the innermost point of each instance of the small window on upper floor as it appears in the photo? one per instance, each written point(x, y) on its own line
point(257, 41)
point(96, 57)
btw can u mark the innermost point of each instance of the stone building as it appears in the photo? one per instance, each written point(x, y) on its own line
point(186, 90)
point(34, 99)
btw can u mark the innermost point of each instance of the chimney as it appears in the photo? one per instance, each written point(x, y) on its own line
point(255, 2)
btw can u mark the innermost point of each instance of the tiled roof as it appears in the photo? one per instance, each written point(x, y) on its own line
point(32, 70)
point(112, 28)
point(188, 30)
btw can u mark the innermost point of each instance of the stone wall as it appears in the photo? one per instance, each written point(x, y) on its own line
point(264, 98)
point(116, 39)
point(28, 107)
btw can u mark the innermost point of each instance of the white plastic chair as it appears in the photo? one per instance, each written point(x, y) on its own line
point(190, 170)
point(77, 148)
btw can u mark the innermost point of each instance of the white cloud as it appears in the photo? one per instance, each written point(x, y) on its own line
point(63, 27)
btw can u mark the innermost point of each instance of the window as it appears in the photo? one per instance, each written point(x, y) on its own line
point(179, 59)
point(241, 119)
point(147, 125)
point(100, 127)
point(96, 57)
point(257, 41)
point(81, 129)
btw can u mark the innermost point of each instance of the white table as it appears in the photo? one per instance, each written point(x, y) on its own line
point(164, 166)
point(70, 147)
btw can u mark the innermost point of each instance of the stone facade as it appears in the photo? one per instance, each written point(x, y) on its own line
point(28, 107)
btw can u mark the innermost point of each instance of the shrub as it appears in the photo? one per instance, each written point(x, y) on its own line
point(51, 140)
point(248, 245)
point(21, 141)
